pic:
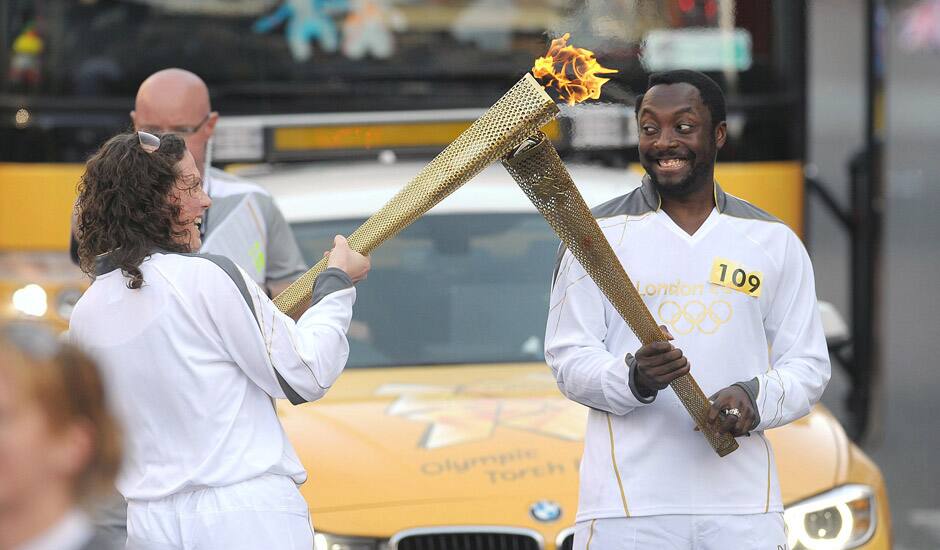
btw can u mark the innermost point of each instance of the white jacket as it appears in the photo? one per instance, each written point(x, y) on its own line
point(192, 360)
point(642, 456)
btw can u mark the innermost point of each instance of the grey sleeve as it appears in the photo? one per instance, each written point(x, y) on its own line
point(631, 363)
point(751, 388)
point(283, 260)
point(331, 280)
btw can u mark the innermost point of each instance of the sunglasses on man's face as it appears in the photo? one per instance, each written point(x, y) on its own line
point(179, 130)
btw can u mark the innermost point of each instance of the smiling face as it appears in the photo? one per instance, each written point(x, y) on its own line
point(678, 143)
point(192, 200)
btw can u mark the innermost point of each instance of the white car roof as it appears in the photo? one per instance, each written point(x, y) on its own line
point(332, 191)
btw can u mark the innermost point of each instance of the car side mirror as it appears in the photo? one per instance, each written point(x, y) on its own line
point(834, 325)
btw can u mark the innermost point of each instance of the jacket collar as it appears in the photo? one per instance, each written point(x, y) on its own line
point(655, 202)
point(105, 263)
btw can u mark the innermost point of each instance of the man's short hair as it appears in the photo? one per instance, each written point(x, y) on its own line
point(708, 89)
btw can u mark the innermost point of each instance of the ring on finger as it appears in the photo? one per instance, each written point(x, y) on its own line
point(732, 412)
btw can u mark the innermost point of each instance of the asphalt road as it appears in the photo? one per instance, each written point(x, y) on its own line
point(906, 441)
point(906, 444)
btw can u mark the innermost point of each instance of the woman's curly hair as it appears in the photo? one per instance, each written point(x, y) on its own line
point(124, 207)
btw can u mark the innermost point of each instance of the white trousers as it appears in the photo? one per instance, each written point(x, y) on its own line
point(683, 532)
point(265, 512)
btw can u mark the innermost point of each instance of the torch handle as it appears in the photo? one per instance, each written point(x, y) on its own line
point(543, 177)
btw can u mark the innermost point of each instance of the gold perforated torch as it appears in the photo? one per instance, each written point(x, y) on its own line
point(520, 113)
point(539, 171)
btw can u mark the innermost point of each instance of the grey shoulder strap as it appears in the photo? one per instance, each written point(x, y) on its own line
point(738, 208)
point(631, 204)
point(230, 269)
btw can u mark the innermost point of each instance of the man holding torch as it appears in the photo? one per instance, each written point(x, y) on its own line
point(733, 288)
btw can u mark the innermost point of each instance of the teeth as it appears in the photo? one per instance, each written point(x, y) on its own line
point(671, 163)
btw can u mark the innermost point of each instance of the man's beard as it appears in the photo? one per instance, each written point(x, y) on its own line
point(686, 186)
point(694, 181)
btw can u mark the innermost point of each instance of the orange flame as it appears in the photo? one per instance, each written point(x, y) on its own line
point(572, 71)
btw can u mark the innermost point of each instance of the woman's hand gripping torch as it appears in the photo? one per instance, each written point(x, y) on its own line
point(541, 174)
point(517, 115)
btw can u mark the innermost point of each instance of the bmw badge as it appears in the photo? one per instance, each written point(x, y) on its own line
point(545, 511)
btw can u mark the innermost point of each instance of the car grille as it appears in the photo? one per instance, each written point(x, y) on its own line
point(469, 541)
point(568, 543)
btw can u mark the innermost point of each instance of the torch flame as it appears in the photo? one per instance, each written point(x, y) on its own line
point(572, 71)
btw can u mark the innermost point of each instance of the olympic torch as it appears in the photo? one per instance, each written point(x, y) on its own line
point(541, 174)
point(520, 113)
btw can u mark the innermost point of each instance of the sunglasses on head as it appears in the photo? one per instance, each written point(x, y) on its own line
point(148, 142)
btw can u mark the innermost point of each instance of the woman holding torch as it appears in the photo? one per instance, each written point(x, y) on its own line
point(193, 351)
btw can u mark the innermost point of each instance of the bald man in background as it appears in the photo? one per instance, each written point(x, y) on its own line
point(243, 223)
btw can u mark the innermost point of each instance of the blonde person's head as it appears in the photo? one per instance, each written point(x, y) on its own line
point(56, 432)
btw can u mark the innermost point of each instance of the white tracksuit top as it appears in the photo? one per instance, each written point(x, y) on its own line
point(191, 361)
point(643, 458)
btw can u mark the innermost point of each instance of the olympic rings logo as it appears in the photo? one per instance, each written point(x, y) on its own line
point(695, 315)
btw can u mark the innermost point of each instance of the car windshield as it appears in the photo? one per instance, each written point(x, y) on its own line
point(467, 288)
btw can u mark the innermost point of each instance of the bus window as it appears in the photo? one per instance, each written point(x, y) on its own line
point(74, 67)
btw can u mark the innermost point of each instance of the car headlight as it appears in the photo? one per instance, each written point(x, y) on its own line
point(31, 300)
point(324, 541)
point(835, 520)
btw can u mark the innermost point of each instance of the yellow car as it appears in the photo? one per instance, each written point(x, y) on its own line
point(446, 431)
